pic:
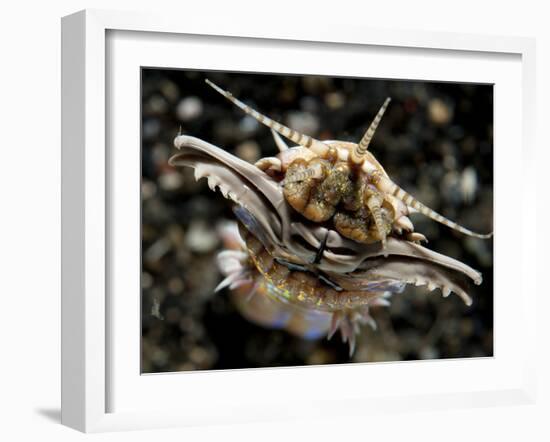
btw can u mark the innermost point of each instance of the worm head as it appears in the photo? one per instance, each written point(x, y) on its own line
point(288, 237)
point(311, 173)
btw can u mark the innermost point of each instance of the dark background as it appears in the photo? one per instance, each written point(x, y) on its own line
point(435, 141)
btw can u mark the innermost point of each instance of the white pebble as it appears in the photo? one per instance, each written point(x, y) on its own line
point(170, 181)
point(200, 238)
point(303, 122)
point(468, 184)
point(189, 108)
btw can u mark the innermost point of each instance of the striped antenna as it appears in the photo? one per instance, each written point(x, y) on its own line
point(358, 154)
point(314, 171)
point(388, 186)
point(303, 140)
point(281, 145)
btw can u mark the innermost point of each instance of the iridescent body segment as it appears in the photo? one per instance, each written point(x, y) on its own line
point(276, 294)
point(301, 286)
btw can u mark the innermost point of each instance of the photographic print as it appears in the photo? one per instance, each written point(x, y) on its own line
point(292, 220)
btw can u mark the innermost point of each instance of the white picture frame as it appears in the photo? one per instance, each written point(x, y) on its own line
point(88, 318)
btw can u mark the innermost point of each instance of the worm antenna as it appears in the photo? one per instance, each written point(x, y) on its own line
point(313, 171)
point(281, 145)
point(374, 205)
point(388, 186)
point(358, 154)
point(303, 140)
